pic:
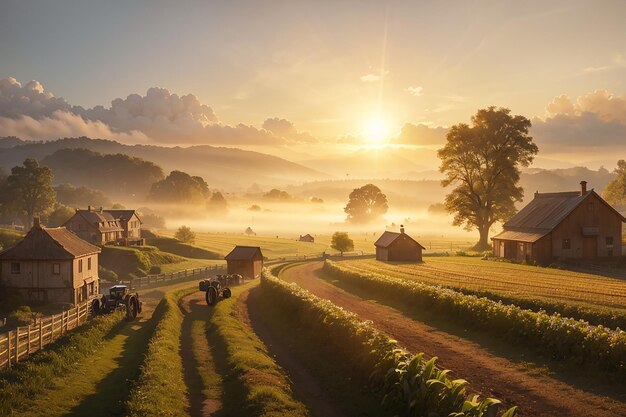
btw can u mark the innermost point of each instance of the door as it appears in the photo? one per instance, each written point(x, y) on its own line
point(590, 247)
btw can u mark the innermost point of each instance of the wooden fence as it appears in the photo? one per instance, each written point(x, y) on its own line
point(18, 343)
point(160, 279)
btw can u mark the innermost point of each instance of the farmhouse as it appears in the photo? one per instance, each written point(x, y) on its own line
point(560, 226)
point(101, 227)
point(51, 265)
point(307, 238)
point(245, 260)
point(400, 247)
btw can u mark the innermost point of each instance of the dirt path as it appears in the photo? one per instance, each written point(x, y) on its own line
point(305, 385)
point(203, 381)
point(487, 373)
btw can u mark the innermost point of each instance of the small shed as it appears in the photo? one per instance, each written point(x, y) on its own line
point(399, 247)
point(245, 260)
point(307, 238)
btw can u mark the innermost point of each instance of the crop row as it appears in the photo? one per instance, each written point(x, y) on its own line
point(599, 300)
point(408, 384)
point(30, 378)
point(564, 338)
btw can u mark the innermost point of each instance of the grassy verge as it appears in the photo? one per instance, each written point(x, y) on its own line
point(564, 338)
point(255, 382)
point(28, 379)
point(407, 384)
point(160, 389)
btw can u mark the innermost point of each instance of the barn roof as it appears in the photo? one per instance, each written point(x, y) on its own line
point(42, 243)
point(545, 212)
point(243, 253)
point(123, 214)
point(387, 238)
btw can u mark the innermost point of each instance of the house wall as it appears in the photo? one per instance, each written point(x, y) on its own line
point(249, 268)
point(84, 230)
point(382, 254)
point(132, 228)
point(403, 249)
point(542, 250)
point(599, 216)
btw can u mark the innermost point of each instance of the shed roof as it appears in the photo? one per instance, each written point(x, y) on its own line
point(243, 253)
point(102, 220)
point(387, 238)
point(42, 243)
point(529, 237)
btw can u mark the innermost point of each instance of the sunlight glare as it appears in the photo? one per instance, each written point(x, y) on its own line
point(376, 131)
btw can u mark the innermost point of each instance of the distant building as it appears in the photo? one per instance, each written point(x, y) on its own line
point(51, 265)
point(399, 247)
point(560, 226)
point(102, 227)
point(307, 238)
point(245, 260)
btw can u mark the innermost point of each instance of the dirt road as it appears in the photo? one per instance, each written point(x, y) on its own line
point(491, 375)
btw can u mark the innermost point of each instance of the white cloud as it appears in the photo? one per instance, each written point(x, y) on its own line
point(415, 91)
point(286, 129)
point(372, 77)
point(421, 134)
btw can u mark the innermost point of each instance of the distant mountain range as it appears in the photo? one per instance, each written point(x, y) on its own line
point(229, 168)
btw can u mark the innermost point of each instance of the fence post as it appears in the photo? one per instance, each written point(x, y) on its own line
point(17, 345)
point(77, 316)
point(40, 333)
point(28, 349)
point(9, 349)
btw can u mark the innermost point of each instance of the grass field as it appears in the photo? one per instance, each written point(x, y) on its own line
point(278, 246)
point(512, 281)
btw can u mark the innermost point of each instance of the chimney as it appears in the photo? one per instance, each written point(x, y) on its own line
point(89, 208)
point(583, 187)
point(536, 193)
point(100, 209)
point(36, 222)
point(402, 228)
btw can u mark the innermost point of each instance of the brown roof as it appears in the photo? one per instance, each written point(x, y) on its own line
point(123, 214)
point(42, 243)
point(102, 220)
point(547, 210)
point(529, 237)
point(388, 238)
point(244, 253)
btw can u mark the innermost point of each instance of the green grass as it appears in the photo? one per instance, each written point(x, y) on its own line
point(595, 298)
point(160, 388)
point(24, 384)
point(261, 387)
point(186, 250)
point(189, 264)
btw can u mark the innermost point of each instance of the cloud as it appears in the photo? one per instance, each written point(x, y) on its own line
point(285, 129)
point(371, 77)
point(415, 91)
point(420, 134)
point(593, 121)
point(159, 116)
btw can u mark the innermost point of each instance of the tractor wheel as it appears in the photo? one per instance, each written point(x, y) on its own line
point(211, 296)
point(226, 293)
point(95, 307)
point(131, 308)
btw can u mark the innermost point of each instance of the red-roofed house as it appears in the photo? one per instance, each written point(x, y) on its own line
point(245, 260)
point(560, 226)
point(51, 265)
point(398, 247)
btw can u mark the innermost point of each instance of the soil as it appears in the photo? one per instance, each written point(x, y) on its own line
point(306, 387)
point(487, 373)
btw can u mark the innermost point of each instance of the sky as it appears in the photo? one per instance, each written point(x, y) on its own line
point(297, 74)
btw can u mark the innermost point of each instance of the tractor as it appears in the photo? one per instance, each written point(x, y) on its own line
point(218, 287)
point(120, 297)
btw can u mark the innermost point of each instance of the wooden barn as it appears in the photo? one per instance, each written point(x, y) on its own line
point(398, 247)
point(245, 260)
point(51, 265)
point(560, 226)
point(307, 238)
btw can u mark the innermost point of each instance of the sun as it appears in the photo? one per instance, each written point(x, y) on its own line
point(376, 131)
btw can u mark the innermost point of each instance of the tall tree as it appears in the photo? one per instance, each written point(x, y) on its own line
point(483, 162)
point(29, 190)
point(366, 204)
point(184, 234)
point(615, 191)
point(342, 242)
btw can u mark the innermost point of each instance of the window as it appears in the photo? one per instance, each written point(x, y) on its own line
point(80, 265)
point(15, 267)
point(56, 269)
point(609, 241)
point(590, 206)
point(88, 264)
point(567, 244)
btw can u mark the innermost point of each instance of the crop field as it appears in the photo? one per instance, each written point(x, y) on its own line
point(275, 247)
point(508, 280)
